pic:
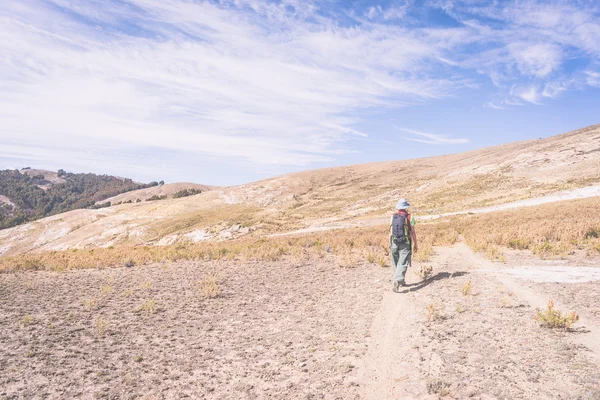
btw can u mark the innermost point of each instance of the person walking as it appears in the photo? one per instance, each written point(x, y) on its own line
point(403, 241)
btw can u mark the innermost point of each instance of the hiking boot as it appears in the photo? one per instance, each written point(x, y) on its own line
point(396, 286)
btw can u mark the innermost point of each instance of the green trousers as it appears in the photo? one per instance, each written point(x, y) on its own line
point(401, 254)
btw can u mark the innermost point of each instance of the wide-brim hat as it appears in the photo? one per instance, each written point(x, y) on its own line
point(402, 204)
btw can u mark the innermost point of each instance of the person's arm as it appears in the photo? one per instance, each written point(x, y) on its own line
point(413, 236)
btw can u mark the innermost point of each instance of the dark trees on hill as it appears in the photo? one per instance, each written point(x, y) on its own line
point(78, 191)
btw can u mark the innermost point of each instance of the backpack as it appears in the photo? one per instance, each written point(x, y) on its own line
point(400, 228)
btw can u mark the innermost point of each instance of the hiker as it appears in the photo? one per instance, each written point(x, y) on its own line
point(403, 241)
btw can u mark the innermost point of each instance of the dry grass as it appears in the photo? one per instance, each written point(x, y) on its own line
point(353, 246)
point(210, 288)
point(550, 230)
point(553, 318)
point(147, 285)
point(90, 303)
point(432, 312)
point(467, 288)
point(101, 326)
point(424, 272)
point(26, 321)
point(149, 307)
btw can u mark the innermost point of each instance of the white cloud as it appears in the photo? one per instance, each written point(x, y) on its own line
point(593, 78)
point(537, 59)
point(431, 138)
point(529, 93)
point(203, 77)
point(280, 83)
point(393, 12)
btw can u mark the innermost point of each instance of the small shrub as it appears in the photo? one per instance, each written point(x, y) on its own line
point(433, 313)
point(147, 285)
point(105, 290)
point(466, 288)
point(101, 326)
point(493, 253)
point(424, 271)
point(26, 321)
point(90, 303)
point(553, 318)
point(593, 233)
point(506, 302)
point(210, 288)
point(149, 306)
point(371, 258)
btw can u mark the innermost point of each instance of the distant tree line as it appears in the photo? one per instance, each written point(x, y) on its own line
point(31, 202)
point(186, 192)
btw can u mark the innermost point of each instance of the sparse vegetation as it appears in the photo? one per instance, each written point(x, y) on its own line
point(105, 290)
point(466, 289)
point(549, 230)
point(433, 312)
point(26, 321)
point(147, 285)
point(154, 198)
point(149, 307)
point(552, 318)
point(527, 228)
point(424, 272)
point(90, 303)
point(101, 326)
point(210, 288)
point(186, 192)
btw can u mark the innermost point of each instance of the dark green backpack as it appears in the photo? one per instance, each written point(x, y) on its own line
point(400, 228)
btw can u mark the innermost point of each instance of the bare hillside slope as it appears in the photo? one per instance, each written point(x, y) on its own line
point(475, 179)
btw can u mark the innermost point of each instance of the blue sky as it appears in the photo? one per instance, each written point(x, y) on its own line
point(227, 92)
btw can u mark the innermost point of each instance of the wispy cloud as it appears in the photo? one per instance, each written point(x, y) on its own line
point(280, 83)
point(431, 138)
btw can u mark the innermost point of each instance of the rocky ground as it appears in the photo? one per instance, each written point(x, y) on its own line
point(294, 330)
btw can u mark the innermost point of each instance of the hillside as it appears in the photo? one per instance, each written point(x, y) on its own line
point(31, 194)
point(168, 190)
point(315, 199)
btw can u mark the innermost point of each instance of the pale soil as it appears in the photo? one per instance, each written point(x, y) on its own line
point(287, 331)
point(484, 345)
point(283, 330)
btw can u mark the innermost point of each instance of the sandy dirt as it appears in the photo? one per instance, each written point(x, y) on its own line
point(289, 330)
point(283, 330)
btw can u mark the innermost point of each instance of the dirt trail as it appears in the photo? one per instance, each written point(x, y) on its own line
point(432, 341)
point(388, 370)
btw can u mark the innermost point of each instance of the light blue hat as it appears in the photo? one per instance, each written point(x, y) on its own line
point(402, 204)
